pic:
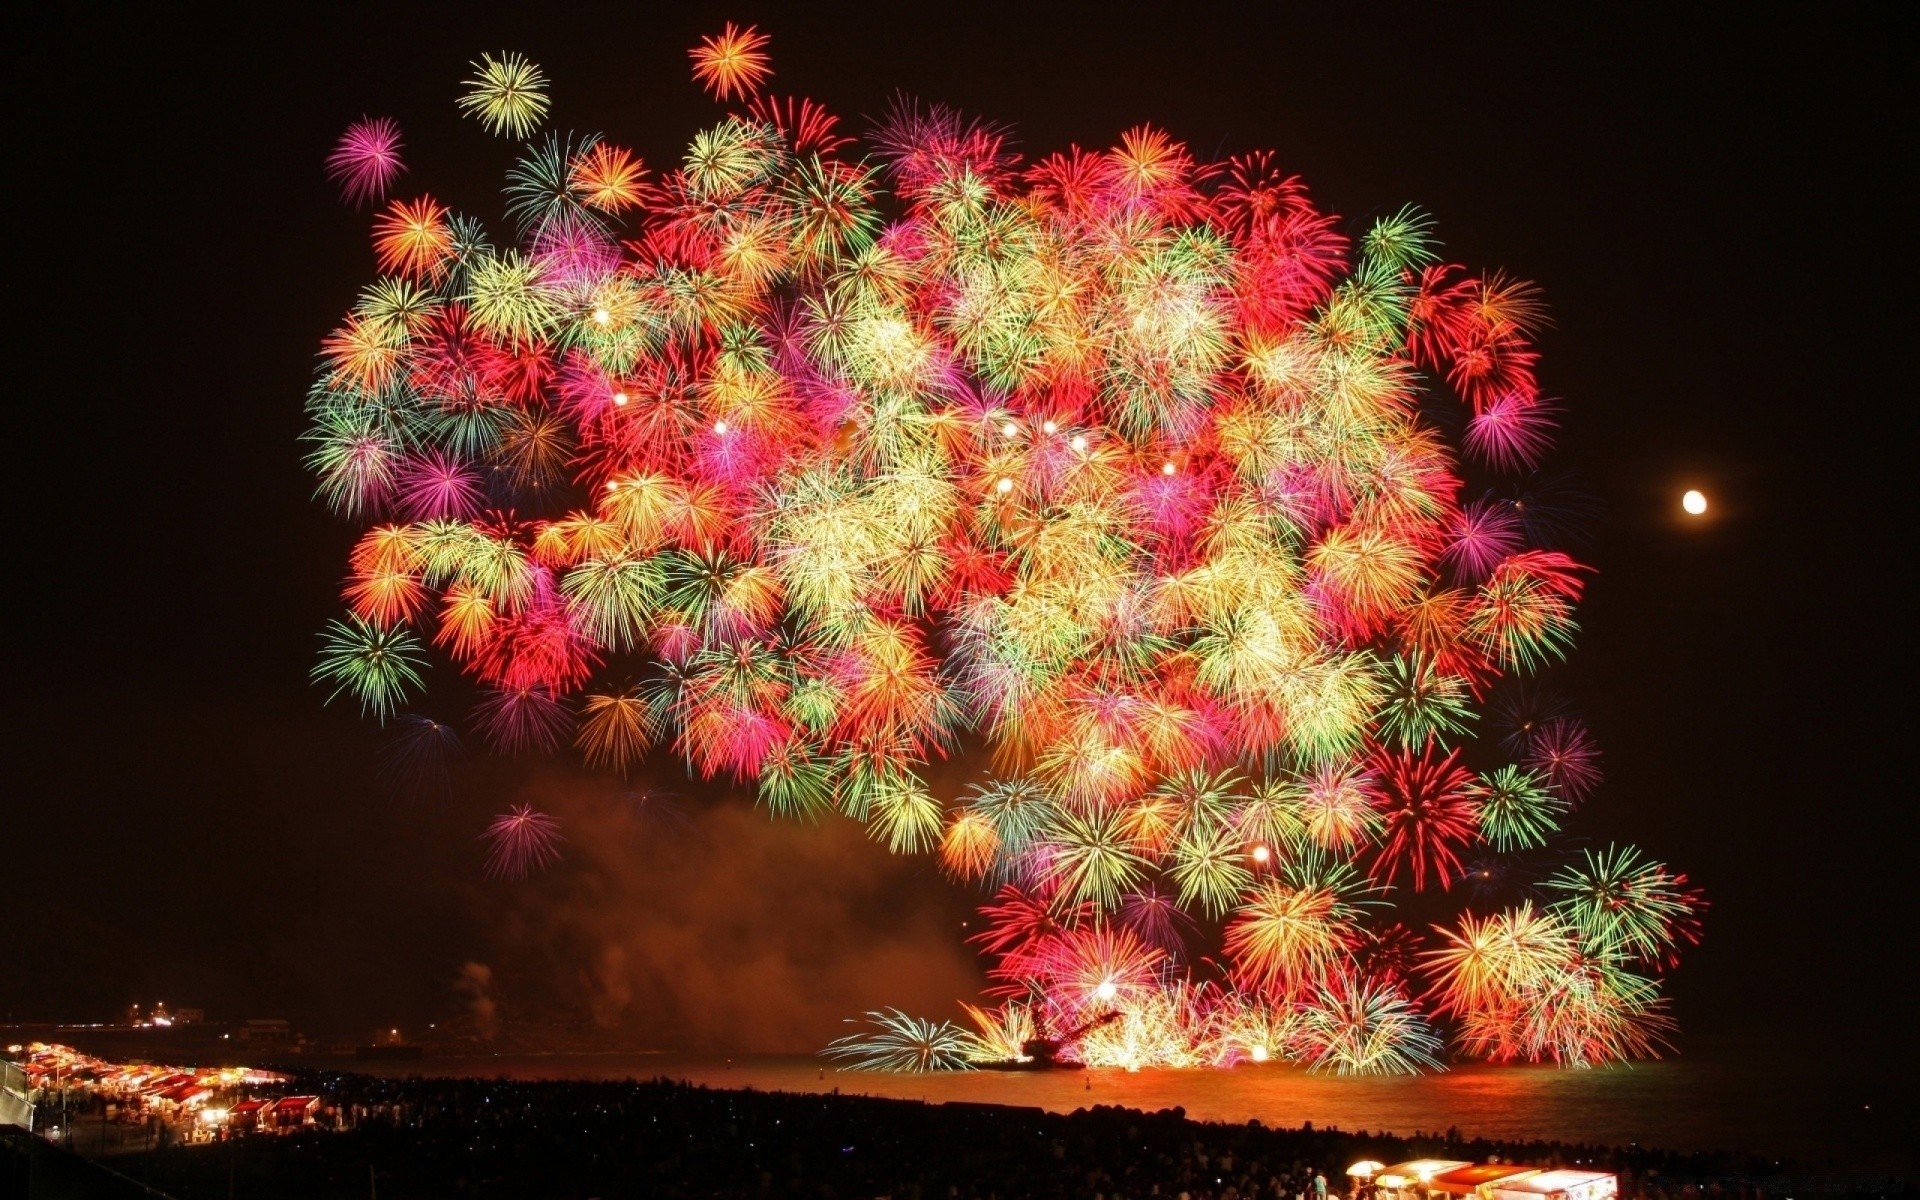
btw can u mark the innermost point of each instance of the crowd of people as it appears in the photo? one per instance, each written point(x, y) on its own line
point(448, 1137)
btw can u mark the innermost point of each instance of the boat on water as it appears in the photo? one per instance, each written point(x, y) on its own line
point(1043, 1053)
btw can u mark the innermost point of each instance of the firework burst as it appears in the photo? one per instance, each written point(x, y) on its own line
point(520, 841)
point(804, 466)
point(366, 159)
point(732, 64)
point(507, 95)
point(1533, 986)
point(899, 1042)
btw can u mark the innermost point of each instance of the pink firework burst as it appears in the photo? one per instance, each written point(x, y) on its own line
point(1565, 752)
point(521, 840)
point(366, 160)
point(522, 720)
point(1512, 431)
point(573, 251)
point(436, 485)
point(1480, 535)
point(1158, 919)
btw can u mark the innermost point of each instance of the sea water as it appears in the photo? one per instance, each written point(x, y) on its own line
point(1834, 1108)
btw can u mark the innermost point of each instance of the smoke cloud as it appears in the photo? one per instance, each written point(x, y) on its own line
point(475, 985)
point(675, 924)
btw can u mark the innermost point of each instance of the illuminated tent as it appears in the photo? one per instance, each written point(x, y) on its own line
point(1560, 1185)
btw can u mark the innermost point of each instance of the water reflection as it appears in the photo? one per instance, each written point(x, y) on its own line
point(1748, 1103)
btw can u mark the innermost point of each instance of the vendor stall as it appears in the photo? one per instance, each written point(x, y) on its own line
point(1433, 1178)
point(1476, 1178)
point(1559, 1185)
point(1410, 1177)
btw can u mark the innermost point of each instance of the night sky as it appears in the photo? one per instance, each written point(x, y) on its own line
point(1711, 212)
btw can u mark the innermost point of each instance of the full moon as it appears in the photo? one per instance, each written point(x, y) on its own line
point(1694, 502)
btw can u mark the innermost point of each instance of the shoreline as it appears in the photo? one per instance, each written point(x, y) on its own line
point(1837, 1113)
point(435, 1135)
point(1696, 1106)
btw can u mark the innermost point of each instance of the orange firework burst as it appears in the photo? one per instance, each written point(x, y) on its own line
point(608, 177)
point(414, 239)
point(732, 64)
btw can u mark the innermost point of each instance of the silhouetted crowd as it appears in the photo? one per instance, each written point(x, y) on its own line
point(457, 1138)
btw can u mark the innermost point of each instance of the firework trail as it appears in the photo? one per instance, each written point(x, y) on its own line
point(809, 466)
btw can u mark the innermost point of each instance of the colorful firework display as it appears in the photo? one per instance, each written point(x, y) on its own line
point(1209, 534)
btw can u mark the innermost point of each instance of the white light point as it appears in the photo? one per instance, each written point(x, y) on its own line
point(1004, 486)
point(1695, 502)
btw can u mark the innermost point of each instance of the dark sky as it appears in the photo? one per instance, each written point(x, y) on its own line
point(1709, 207)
